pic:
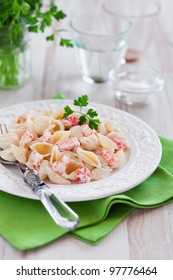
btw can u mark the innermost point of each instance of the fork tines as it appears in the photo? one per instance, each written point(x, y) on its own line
point(3, 128)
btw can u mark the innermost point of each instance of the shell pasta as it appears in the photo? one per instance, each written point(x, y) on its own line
point(61, 150)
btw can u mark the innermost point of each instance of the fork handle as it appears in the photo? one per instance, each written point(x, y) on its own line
point(61, 213)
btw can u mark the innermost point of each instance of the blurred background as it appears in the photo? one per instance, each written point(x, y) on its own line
point(54, 68)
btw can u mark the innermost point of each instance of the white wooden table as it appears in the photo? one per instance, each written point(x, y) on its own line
point(145, 234)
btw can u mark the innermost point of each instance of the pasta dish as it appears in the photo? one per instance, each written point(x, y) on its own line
point(62, 150)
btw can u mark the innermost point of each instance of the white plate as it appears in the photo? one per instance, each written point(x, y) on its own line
point(141, 161)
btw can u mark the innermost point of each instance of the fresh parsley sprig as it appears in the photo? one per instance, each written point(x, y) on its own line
point(89, 116)
point(33, 15)
point(17, 17)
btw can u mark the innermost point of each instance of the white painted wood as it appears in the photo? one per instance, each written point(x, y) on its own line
point(145, 234)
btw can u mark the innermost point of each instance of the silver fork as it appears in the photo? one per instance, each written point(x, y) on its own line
point(61, 213)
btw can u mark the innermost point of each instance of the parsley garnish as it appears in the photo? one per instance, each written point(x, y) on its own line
point(81, 101)
point(89, 116)
point(68, 111)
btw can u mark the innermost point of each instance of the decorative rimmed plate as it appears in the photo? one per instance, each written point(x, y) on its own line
point(141, 161)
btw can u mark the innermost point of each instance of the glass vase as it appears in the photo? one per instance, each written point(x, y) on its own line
point(15, 60)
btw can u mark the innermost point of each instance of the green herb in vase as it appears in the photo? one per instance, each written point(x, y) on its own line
point(17, 18)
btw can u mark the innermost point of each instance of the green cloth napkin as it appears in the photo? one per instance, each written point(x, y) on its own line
point(26, 224)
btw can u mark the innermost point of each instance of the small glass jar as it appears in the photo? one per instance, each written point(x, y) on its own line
point(135, 85)
point(15, 60)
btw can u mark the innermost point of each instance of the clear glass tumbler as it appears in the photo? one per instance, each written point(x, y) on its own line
point(15, 60)
point(101, 43)
point(143, 15)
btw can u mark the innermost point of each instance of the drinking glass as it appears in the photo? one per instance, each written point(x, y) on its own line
point(143, 15)
point(101, 43)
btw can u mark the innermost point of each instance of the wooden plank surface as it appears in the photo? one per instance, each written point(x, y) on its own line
point(145, 234)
